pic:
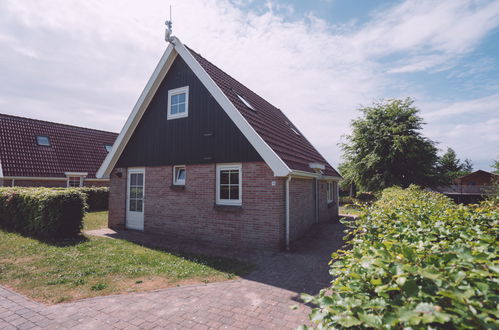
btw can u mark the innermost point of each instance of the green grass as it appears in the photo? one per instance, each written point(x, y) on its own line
point(59, 271)
point(95, 220)
point(349, 209)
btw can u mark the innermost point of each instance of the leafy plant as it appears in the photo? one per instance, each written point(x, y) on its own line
point(415, 260)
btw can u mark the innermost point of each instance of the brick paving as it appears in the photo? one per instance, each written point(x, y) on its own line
point(261, 300)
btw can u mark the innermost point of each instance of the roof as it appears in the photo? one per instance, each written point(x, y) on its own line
point(72, 149)
point(477, 173)
point(281, 145)
point(268, 121)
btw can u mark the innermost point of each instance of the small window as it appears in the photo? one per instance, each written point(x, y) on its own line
point(108, 147)
point(179, 175)
point(229, 185)
point(330, 192)
point(178, 102)
point(75, 181)
point(43, 141)
point(246, 103)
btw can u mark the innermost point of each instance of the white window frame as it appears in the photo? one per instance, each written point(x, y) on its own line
point(177, 91)
point(329, 192)
point(177, 182)
point(222, 167)
point(75, 176)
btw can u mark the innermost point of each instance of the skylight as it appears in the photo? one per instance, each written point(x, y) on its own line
point(43, 140)
point(246, 103)
point(292, 128)
point(108, 147)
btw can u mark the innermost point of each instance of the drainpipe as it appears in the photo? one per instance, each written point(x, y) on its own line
point(316, 200)
point(287, 211)
point(13, 182)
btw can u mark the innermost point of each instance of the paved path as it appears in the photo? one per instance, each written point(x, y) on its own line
point(262, 300)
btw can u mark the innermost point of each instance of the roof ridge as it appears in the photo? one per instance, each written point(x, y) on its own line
point(54, 123)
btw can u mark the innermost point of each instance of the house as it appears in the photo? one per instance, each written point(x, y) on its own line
point(202, 157)
point(471, 188)
point(41, 153)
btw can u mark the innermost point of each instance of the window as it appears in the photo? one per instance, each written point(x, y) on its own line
point(330, 192)
point(229, 186)
point(108, 147)
point(75, 181)
point(246, 103)
point(179, 175)
point(43, 141)
point(178, 102)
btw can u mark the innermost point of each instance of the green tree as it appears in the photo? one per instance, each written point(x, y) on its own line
point(495, 165)
point(386, 148)
point(450, 167)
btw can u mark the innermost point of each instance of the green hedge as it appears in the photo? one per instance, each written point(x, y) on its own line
point(416, 260)
point(97, 197)
point(42, 212)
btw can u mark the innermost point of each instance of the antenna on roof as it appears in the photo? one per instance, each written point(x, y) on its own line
point(168, 33)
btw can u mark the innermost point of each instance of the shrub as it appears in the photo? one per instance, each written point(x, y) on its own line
point(416, 260)
point(42, 212)
point(97, 197)
point(365, 197)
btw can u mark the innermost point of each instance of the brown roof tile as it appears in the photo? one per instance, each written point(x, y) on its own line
point(268, 121)
point(72, 149)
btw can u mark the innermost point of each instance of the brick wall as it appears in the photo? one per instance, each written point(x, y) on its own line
point(117, 198)
point(191, 212)
point(302, 207)
point(327, 212)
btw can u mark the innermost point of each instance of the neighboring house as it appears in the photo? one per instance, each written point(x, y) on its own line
point(470, 188)
point(204, 158)
point(40, 153)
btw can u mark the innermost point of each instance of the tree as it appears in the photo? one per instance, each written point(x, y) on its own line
point(450, 167)
point(495, 165)
point(386, 148)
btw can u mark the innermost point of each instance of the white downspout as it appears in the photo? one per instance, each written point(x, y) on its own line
point(287, 211)
point(316, 200)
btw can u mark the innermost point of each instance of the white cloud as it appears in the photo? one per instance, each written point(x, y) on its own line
point(86, 62)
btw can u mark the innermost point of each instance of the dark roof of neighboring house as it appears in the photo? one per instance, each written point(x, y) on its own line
point(268, 121)
point(478, 172)
point(72, 149)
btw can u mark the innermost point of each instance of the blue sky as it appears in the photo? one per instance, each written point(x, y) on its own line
point(85, 62)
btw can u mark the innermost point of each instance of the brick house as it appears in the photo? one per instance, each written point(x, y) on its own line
point(204, 158)
point(39, 153)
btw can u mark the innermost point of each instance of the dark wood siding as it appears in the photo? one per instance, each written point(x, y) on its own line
point(207, 135)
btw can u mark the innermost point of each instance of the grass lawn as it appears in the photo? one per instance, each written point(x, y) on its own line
point(62, 271)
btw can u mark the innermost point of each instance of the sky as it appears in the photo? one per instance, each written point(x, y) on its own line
point(86, 62)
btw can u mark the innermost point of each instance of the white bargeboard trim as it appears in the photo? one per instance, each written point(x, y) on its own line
point(276, 164)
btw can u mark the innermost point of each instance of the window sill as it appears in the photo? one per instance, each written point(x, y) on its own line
point(228, 208)
point(177, 187)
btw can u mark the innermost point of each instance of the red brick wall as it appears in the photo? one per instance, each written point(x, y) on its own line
point(327, 212)
point(301, 207)
point(117, 198)
point(191, 212)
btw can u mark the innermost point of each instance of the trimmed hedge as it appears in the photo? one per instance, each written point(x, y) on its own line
point(97, 197)
point(42, 212)
point(417, 260)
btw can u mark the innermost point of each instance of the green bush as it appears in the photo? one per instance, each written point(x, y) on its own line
point(416, 260)
point(365, 197)
point(97, 197)
point(42, 212)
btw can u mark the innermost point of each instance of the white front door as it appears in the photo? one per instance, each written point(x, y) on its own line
point(135, 199)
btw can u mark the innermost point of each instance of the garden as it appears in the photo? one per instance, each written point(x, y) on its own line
point(44, 255)
point(414, 259)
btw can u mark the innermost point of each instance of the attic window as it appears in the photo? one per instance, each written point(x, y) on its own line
point(246, 103)
point(178, 103)
point(43, 140)
point(108, 147)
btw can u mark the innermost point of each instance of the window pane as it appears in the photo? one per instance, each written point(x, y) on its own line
point(132, 204)
point(224, 192)
point(234, 177)
point(181, 98)
point(224, 177)
point(234, 192)
point(43, 140)
point(139, 192)
point(133, 179)
point(140, 179)
point(174, 99)
point(181, 174)
point(181, 107)
point(174, 109)
point(138, 205)
point(133, 192)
